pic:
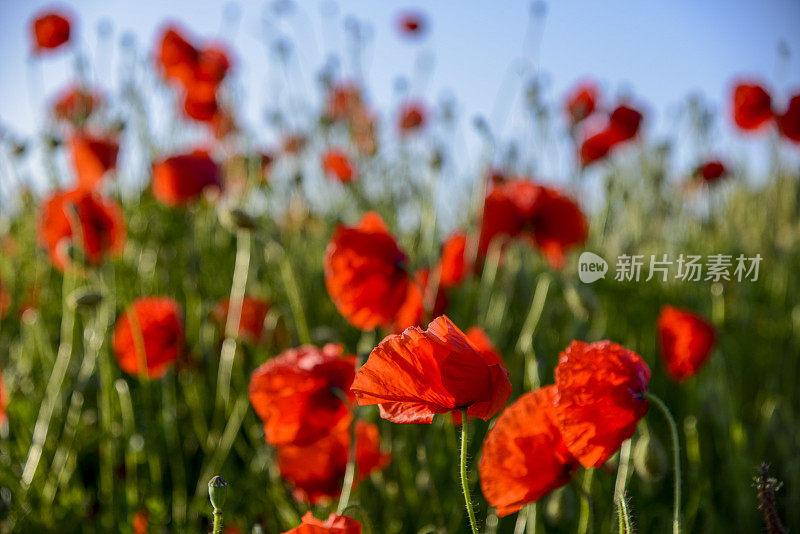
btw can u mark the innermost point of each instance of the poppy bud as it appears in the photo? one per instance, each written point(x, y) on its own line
point(217, 490)
point(85, 298)
point(237, 219)
point(649, 459)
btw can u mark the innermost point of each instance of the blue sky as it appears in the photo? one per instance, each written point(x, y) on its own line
point(659, 51)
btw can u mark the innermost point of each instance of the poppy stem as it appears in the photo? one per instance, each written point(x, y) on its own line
point(50, 403)
point(676, 459)
point(464, 482)
point(350, 470)
point(624, 514)
point(234, 317)
point(586, 518)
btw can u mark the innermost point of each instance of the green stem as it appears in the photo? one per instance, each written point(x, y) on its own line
point(295, 302)
point(53, 389)
point(676, 459)
point(585, 518)
point(624, 514)
point(464, 481)
point(350, 471)
point(217, 521)
point(238, 285)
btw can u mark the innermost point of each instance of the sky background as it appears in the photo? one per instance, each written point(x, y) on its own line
point(657, 51)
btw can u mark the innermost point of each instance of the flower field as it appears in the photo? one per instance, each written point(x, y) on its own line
point(348, 331)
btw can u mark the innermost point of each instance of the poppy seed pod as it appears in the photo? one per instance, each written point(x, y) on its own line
point(217, 491)
point(237, 219)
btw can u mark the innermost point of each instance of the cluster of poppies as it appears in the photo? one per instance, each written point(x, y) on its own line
point(600, 132)
point(197, 73)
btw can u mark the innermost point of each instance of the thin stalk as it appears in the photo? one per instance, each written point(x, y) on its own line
point(676, 459)
point(585, 518)
point(624, 514)
point(350, 470)
point(622, 469)
point(464, 481)
point(240, 271)
point(53, 389)
point(295, 302)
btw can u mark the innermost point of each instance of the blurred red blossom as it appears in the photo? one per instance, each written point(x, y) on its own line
point(711, 171)
point(624, 123)
point(75, 104)
point(149, 337)
point(337, 165)
point(411, 117)
point(524, 456)
point(335, 524)
point(789, 121)
point(181, 179)
point(600, 398)
point(50, 30)
point(411, 24)
point(452, 267)
point(99, 220)
point(251, 322)
point(316, 471)
point(581, 101)
point(92, 157)
point(298, 394)
point(197, 72)
point(418, 374)
point(412, 311)
point(686, 341)
point(752, 106)
point(541, 215)
point(344, 99)
point(596, 147)
point(365, 274)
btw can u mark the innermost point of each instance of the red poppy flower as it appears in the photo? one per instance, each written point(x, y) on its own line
point(335, 524)
point(411, 24)
point(153, 325)
point(343, 100)
point(364, 273)
point(596, 147)
point(752, 106)
point(295, 393)
point(623, 124)
point(789, 122)
point(413, 308)
point(75, 104)
point(251, 322)
point(418, 374)
point(177, 56)
point(100, 221)
point(50, 31)
point(558, 225)
point(411, 117)
point(711, 171)
point(316, 471)
point(552, 221)
point(452, 264)
point(92, 157)
point(581, 101)
point(599, 399)
point(337, 165)
point(686, 341)
point(524, 455)
point(181, 179)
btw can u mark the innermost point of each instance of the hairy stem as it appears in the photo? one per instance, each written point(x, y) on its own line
point(676, 459)
point(464, 481)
